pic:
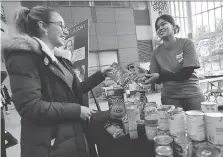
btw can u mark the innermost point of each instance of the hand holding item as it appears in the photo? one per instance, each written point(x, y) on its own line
point(86, 112)
point(150, 78)
point(106, 71)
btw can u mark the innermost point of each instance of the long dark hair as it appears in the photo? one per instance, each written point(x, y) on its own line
point(26, 20)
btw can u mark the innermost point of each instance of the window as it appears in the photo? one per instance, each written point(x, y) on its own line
point(138, 5)
point(101, 59)
point(61, 3)
point(80, 3)
point(179, 11)
point(124, 4)
point(210, 13)
point(102, 3)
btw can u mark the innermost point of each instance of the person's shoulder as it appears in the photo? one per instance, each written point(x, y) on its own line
point(185, 40)
point(158, 49)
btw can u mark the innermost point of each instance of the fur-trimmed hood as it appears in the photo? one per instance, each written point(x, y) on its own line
point(27, 43)
point(16, 43)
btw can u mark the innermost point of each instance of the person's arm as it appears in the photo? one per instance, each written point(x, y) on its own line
point(27, 97)
point(92, 81)
point(190, 62)
point(183, 74)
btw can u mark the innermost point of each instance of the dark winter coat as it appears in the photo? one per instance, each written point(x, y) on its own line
point(48, 107)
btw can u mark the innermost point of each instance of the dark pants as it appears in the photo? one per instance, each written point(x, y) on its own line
point(186, 103)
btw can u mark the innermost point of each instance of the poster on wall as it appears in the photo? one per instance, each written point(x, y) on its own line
point(78, 43)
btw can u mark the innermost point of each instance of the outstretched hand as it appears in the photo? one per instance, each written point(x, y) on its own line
point(106, 71)
point(149, 78)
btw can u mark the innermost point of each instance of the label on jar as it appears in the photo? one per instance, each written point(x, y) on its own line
point(195, 125)
point(177, 126)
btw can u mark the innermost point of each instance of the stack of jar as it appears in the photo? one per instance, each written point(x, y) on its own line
point(188, 134)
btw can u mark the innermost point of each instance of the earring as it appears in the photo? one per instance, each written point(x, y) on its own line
point(46, 33)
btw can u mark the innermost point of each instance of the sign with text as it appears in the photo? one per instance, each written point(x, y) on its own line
point(78, 43)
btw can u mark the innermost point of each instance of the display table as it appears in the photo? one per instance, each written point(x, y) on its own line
point(107, 146)
point(216, 82)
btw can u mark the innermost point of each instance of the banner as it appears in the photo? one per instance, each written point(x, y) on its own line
point(78, 43)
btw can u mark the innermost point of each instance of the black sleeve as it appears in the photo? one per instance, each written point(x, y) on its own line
point(92, 81)
point(183, 74)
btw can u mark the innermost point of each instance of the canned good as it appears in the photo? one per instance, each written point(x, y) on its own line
point(116, 103)
point(219, 147)
point(163, 117)
point(162, 132)
point(195, 125)
point(176, 120)
point(207, 151)
point(214, 127)
point(172, 107)
point(163, 140)
point(164, 151)
point(133, 133)
point(148, 110)
point(208, 106)
point(133, 113)
point(183, 147)
point(151, 123)
point(125, 123)
point(152, 103)
point(195, 145)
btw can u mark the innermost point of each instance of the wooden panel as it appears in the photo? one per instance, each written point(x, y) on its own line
point(126, 41)
point(106, 29)
point(132, 54)
point(107, 42)
point(124, 14)
point(125, 28)
point(80, 13)
point(93, 43)
point(65, 12)
point(105, 15)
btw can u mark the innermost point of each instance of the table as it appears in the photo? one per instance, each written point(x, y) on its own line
point(107, 146)
point(213, 82)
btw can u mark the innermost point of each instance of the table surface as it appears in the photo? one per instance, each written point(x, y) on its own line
point(107, 146)
point(211, 79)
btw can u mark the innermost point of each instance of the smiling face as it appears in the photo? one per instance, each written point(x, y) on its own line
point(164, 29)
point(56, 31)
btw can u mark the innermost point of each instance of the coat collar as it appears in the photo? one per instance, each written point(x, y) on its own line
point(46, 49)
point(59, 52)
point(20, 43)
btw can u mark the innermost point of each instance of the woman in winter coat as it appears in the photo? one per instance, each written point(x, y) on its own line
point(46, 93)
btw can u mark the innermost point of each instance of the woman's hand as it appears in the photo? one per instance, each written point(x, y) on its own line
point(150, 78)
point(106, 71)
point(86, 112)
